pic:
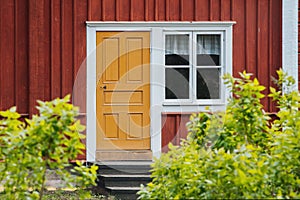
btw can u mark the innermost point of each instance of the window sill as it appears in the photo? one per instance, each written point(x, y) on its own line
point(197, 103)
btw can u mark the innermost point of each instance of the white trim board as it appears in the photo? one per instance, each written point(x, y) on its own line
point(290, 39)
point(139, 24)
point(156, 30)
point(91, 96)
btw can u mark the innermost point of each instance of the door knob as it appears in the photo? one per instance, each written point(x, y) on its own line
point(103, 87)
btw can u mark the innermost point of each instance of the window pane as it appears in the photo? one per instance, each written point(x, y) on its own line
point(208, 83)
point(208, 50)
point(177, 83)
point(177, 50)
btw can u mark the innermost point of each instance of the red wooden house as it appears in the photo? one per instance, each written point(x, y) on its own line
point(138, 68)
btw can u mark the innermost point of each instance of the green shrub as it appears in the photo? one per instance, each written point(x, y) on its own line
point(49, 140)
point(235, 154)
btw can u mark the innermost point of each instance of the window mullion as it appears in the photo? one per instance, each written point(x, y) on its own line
point(222, 86)
point(193, 67)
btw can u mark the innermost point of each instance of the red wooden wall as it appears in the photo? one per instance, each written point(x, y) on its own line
point(43, 42)
point(174, 128)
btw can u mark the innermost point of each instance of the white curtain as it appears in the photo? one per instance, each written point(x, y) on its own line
point(177, 44)
point(208, 44)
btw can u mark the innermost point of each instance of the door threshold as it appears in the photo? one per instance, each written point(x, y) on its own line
point(123, 155)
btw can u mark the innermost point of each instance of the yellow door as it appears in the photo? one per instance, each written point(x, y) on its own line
point(123, 90)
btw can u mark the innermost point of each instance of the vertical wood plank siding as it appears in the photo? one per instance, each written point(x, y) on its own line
point(43, 42)
point(173, 128)
point(7, 49)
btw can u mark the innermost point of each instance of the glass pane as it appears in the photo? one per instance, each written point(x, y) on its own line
point(208, 83)
point(208, 50)
point(177, 50)
point(177, 83)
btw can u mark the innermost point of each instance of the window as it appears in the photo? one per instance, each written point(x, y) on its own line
point(177, 62)
point(193, 66)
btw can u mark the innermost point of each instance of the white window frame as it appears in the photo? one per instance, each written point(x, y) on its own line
point(189, 100)
point(157, 76)
point(193, 67)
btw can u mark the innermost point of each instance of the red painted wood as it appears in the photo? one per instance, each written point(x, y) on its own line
point(7, 49)
point(238, 15)
point(263, 46)
point(173, 7)
point(160, 9)
point(56, 81)
point(109, 10)
point(167, 10)
point(276, 44)
point(215, 10)
point(123, 10)
point(79, 72)
point(202, 10)
point(21, 56)
point(47, 49)
point(79, 16)
point(67, 46)
point(225, 10)
point(94, 10)
point(270, 49)
point(36, 53)
point(183, 129)
point(168, 131)
point(187, 10)
point(251, 37)
point(150, 7)
point(176, 140)
point(117, 10)
point(137, 12)
point(173, 129)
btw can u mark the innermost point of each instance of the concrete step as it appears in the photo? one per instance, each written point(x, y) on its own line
point(125, 180)
point(124, 192)
point(124, 167)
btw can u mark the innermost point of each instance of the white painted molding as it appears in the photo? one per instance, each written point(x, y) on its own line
point(290, 39)
point(91, 96)
point(156, 89)
point(138, 24)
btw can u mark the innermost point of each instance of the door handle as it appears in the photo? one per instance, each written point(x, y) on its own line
point(103, 87)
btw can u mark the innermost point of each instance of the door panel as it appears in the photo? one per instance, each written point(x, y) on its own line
point(123, 91)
